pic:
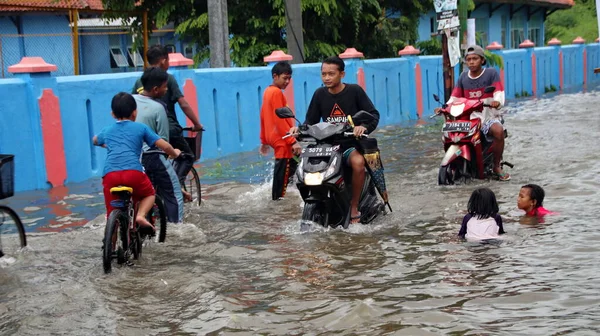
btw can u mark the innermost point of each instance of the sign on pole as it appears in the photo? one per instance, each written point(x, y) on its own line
point(447, 14)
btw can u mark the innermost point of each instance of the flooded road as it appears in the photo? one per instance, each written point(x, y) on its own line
point(240, 265)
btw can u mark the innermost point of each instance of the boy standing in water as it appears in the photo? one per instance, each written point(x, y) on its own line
point(273, 129)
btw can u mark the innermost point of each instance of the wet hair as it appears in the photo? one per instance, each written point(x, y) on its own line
point(152, 77)
point(156, 53)
point(337, 61)
point(483, 203)
point(123, 104)
point(281, 68)
point(536, 193)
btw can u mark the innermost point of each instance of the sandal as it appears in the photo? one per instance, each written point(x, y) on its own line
point(504, 176)
point(355, 219)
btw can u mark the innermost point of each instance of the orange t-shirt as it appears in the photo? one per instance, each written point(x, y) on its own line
point(273, 128)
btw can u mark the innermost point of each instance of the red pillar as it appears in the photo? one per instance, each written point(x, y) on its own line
point(52, 135)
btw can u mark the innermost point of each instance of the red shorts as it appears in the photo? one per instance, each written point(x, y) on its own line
point(142, 187)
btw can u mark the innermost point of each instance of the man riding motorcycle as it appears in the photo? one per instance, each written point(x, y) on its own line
point(471, 85)
point(334, 103)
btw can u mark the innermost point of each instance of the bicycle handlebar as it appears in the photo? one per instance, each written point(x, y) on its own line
point(156, 151)
point(190, 129)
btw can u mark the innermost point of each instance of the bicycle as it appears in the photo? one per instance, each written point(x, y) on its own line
point(192, 180)
point(8, 217)
point(122, 238)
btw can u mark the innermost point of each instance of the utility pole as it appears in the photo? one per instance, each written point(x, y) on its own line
point(294, 33)
point(218, 33)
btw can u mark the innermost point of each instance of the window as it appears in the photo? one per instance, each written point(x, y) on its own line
point(481, 31)
point(118, 60)
point(189, 51)
point(171, 48)
point(517, 33)
point(535, 31)
point(135, 58)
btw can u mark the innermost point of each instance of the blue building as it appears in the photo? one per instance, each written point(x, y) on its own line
point(508, 22)
point(45, 28)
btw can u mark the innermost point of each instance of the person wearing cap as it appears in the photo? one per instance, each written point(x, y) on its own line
point(471, 85)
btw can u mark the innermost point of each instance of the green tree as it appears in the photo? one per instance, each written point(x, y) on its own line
point(258, 27)
point(580, 20)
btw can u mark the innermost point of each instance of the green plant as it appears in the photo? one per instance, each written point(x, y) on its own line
point(580, 20)
point(430, 47)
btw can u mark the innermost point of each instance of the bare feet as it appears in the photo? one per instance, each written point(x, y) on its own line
point(187, 197)
point(143, 222)
point(355, 217)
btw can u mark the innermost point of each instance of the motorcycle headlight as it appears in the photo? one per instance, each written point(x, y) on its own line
point(312, 179)
point(331, 169)
point(457, 138)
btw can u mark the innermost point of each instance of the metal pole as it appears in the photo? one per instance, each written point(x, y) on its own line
point(145, 33)
point(75, 18)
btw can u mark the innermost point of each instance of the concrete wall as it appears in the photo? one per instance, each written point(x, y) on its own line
point(48, 121)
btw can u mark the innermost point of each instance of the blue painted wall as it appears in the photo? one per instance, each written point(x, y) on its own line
point(11, 53)
point(229, 102)
point(493, 25)
point(94, 55)
point(57, 49)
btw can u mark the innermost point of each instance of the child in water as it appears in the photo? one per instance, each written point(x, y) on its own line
point(483, 220)
point(531, 199)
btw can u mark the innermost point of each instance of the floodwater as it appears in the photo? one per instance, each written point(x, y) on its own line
point(240, 266)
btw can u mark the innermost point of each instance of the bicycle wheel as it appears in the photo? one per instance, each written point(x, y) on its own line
point(12, 232)
point(115, 239)
point(192, 184)
point(158, 217)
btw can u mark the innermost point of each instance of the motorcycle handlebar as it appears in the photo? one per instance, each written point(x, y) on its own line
point(346, 134)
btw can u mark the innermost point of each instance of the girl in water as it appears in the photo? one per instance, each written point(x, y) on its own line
point(482, 221)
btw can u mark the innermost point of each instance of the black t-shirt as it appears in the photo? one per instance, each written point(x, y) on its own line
point(336, 108)
point(169, 99)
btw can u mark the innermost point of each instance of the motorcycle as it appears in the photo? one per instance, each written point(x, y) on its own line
point(468, 153)
point(323, 181)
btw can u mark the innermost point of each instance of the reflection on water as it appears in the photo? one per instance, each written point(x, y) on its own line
point(240, 264)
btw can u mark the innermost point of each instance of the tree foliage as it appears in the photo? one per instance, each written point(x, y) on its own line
point(580, 20)
point(259, 27)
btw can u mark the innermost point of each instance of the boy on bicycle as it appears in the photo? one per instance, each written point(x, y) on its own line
point(124, 141)
point(152, 113)
point(158, 56)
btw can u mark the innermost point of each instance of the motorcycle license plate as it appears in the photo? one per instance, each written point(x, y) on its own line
point(318, 151)
point(464, 126)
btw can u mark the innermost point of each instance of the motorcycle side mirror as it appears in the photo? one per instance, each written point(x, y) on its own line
point(285, 113)
point(489, 89)
point(362, 117)
point(436, 98)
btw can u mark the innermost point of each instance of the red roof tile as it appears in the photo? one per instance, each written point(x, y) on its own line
point(542, 3)
point(22, 5)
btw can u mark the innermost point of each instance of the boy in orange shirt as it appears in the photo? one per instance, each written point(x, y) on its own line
point(273, 129)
